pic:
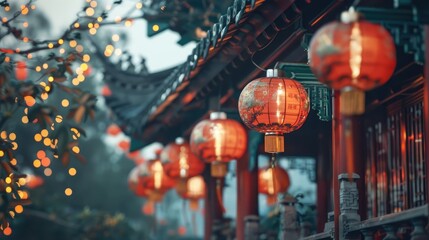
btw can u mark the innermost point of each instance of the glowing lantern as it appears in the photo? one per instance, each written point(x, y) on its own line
point(33, 181)
point(157, 181)
point(218, 141)
point(181, 163)
point(148, 208)
point(136, 183)
point(194, 191)
point(21, 73)
point(105, 91)
point(113, 130)
point(124, 145)
point(272, 181)
point(274, 105)
point(181, 230)
point(352, 56)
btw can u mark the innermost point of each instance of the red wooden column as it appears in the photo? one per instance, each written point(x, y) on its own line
point(247, 194)
point(212, 207)
point(426, 105)
point(324, 175)
point(347, 145)
point(336, 157)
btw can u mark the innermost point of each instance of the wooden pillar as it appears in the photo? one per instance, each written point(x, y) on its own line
point(212, 207)
point(324, 175)
point(247, 194)
point(336, 157)
point(426, 106)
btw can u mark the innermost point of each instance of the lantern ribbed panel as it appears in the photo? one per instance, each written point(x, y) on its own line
point(218, 140)
point(358, 54)
point(274, 105)
point(272, 181)
point(172, 157)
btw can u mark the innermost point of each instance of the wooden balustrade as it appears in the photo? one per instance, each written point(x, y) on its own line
point(405, 225)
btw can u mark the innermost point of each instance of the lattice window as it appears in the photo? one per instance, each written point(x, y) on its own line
point(395, 166)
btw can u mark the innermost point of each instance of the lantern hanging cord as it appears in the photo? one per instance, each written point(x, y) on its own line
point(266, 45)
point(273, 160)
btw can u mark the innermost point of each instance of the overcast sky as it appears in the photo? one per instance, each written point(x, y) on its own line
point(160, 51)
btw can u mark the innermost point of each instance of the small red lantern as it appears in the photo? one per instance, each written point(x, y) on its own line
point(157, 180)
point(105, 91)
point(272, 181)
point(148, 208)
point(218, 141)
point(194, 191)
point(113, 130)
point(181, 163)
point(352, 56)
point(21, 73)
point(274, 105)
point(124, 145)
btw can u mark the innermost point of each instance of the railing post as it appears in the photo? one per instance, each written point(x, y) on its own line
point(349, 203)
point(251, 227)
point(390, 232)
point(419, 231)
point(289, 226)
point(368, 234)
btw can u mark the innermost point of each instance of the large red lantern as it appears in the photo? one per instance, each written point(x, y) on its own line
point(218, 141)
point(180, 163)
point(272, 181)
point(352, 56)
point(195, 190)
point(274, 105)
point(21, 73)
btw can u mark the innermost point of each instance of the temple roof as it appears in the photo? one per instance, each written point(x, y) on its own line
point(164, 105)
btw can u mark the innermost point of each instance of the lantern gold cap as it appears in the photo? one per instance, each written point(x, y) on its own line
point(275, 73)
point(219, 169)
point(217, 115)
point(274, 143)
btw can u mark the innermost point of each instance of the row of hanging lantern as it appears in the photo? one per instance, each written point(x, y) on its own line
point(216, 141)
point(352, 56)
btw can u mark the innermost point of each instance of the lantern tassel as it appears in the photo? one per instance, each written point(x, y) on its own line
point(194, 224)
point(352, 102)
point(271, 199)
point(219, 195)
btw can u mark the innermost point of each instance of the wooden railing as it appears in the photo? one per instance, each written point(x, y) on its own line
point(405, 225)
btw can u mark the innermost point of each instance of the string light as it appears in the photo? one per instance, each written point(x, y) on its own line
point(72, 171)
point(65, 103)
point(68, 191)
point(139, 5)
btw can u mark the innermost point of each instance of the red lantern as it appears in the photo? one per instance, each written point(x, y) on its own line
point(272, 181)
point(274, 105)
point(139, 181)
point(181, 163)
point(181, 231)
point(218, 141)
point(194, 191)
point(21, 73)
point(157, 180)
point(105, 91)
point(148, 208)
point(113, 130)
point(352, 56)
point(124, 145)
point(33, 181)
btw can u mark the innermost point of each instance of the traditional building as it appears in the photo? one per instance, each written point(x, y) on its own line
point(386, 198)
